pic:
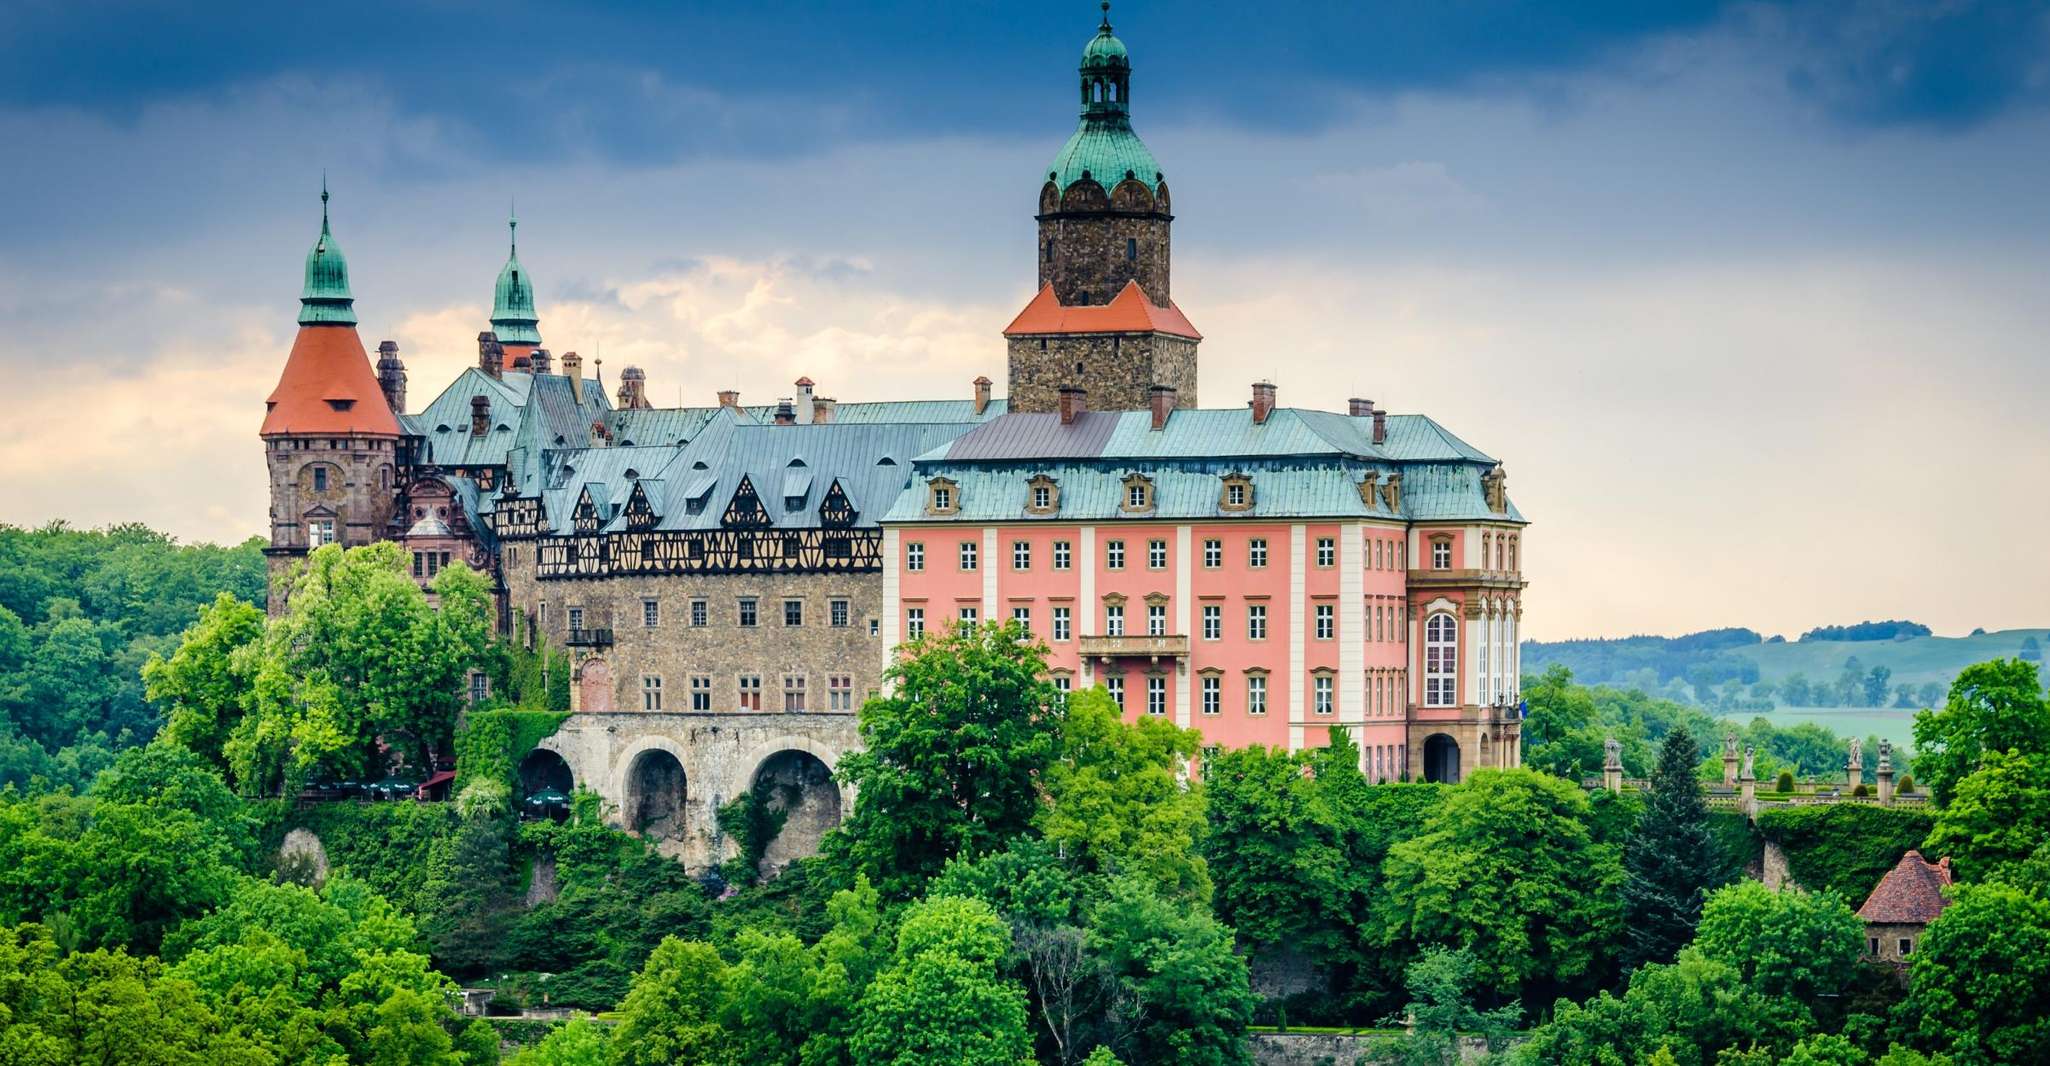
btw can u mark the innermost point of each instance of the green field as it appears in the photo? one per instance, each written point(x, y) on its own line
point(1913, 662)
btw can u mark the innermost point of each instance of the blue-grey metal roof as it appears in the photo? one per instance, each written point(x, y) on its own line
point(444, 424)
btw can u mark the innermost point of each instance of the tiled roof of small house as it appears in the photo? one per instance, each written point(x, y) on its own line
point(1910, 894)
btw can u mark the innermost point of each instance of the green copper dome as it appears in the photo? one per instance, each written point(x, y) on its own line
point(325, 298)
point(1104, 148)
point(512, 304)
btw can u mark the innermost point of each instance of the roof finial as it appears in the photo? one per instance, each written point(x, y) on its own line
point(1105, 28)
point(323, 202)
point(512, 222)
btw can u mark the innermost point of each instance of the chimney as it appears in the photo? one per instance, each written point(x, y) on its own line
point(1074, 402)
point(480, 415)
point(804, 412)
point(391, 376)
point(729, 398)
point(1380, 426)
point(633, 389)
point(490, 354)
point(1263, 401)
point(573, 369)
point(785, 414)
point(822, 410)
point(1161, 399)
point(539, 362)
point(981, 394)
point(1359, 408)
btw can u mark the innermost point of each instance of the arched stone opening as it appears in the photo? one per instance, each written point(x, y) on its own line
point(1441, 759)
point(542, 770)
point(798, 786)
point(655, 790)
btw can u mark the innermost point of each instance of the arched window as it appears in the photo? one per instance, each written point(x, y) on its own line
point(1441, 661)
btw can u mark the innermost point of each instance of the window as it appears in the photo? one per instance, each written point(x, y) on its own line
point(1324, 612)
point(1156, 695)
point(1062, 681)
point(1327, 552)
point(1213, 554)
point(793, 612)
point(942, 498)
point(1441, 555)
point(914, 623)
point(1513, 542)
point(1115, 685)
point(1021, 555)
point(320, 479)
point(914, 556)
point(651, 693)
point(1320, 689)
point(1256, 621)
point(1156, 555)
point(1063, 555)
point(1062, 622)
point(1114, 620)
point(1022, 616)
point(480, 687)
point(750, 692)
point(1213, 694)
point(1131, 249)
point(1256, 552)
point(1907, 946)
point(1235, 494)
point(1871, 945)
point(576, 618)
point(1042, 497)
point(840, 692)
point(747, 611)
point(1213, 622)
point(1156, 619)
point(701, 693)
point(321, 531)
point(793, 692)
point(836, 613)
point(1135, 497)
point(1441, 661)
point(1256, 694)
point(698, 612)
point(651, 613)
point(968, 550)
point(875, 627)
point(967, 616)
point(1114, 554)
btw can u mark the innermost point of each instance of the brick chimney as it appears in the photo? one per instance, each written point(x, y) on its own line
point(1263, 401)
point(729, 398)
point(786, 415)
point(1380, 426)
point(1160, 399)
point(490, 354)
point(633, 389)
point(573, 369)
point(1074, 402)
point(391, 376)
point(539, 362)
point(822, 409)
point(804, 412)
point(480, 415)
point(1359, 408)
point(981, 394)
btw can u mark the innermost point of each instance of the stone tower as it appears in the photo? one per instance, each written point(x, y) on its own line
point(329, 435)
point(1104, 319)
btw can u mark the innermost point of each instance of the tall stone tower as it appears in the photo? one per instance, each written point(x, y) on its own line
point(329, 436)
point(1104, 319)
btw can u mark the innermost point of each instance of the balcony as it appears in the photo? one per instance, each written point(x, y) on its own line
point(590, 638)
point(1154, 648)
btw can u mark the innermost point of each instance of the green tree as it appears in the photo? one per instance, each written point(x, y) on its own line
point(1693, 1011)
point(1671, 858)
point(1118, 801)
point(952, 757)
point(204, 685)
point(1993, 706)
point(408, 1032)
point(1876, 685)
point(1507, 869)
point(671, 1015)
point(1998, 817)
point(1789, 943)
point(470, 884)
point(1440, 984)
point(1979, 980)
point(943, 999)
point(1176, 964)
point(579, 1042)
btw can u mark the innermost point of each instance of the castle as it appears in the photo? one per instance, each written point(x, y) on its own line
point(731, 581)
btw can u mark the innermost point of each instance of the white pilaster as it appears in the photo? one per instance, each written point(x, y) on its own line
point(1470, 657)
point(1352, 624)
point(891, 595)
point(1183, 589)
point(1085, 561)
point(990, 562)
point(1297, 605)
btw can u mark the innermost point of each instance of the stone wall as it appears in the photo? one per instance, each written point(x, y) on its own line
point(1116, 369)
point(358, 495)
point(1091, 261)
point(1342, 1049)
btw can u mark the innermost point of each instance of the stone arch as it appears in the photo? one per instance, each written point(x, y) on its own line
point(1441, 759)
point(594, 686)
point(656, 787)
point(795, 776)
point(620, 776)
point(545, 768)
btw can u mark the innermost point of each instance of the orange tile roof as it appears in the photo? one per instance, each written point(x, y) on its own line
point(327, 387)
point(1130, 312)
point(1910, 894)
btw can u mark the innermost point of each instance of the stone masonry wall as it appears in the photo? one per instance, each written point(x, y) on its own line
point(1089, 262)
point(1117, 369)
point(361, 476)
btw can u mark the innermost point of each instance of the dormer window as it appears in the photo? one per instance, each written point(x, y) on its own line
point(1237, 494)
point(341, 405)
point(1042, 495)
point(1138, 494)
point(942, 497)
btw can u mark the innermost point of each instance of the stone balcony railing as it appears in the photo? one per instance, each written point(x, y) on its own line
point(1129, 646)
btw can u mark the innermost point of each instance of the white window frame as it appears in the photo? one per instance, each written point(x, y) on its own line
point(1441, 660)
point(914, 556)
point(1063, 623)
point(1213, 621)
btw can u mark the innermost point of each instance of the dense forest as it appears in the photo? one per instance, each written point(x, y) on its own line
point(1024, 877)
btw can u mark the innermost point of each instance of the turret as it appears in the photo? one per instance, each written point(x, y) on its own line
point(512, 303)
point(391, 376)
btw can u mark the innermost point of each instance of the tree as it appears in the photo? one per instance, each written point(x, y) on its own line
point(469, 882)
point(1507, 869)
point(1789, 944)
point(942, 999)
point(1118, 801)
point(1876, 685)
point(578, 1042)
point(1441, 1009)
point(672, 1012)
point(952, 757)
point(1175, 964)
point(2032, 650)
point(408, 1032)
point(1979, 980)
point(1671, 859)
point(1993, 706)
point(205, 683)
point(1693, 1011)
point(1998, 817)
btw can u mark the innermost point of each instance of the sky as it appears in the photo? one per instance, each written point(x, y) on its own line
point(1751, 299)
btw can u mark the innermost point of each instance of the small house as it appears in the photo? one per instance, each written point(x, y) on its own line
point(1906, 900)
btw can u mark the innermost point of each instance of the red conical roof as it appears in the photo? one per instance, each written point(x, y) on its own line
point(328, 387)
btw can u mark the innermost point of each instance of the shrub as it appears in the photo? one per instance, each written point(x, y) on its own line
point(1785, 782)
point(1862, 790)
point(1907, 782)
point(1844, 847)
